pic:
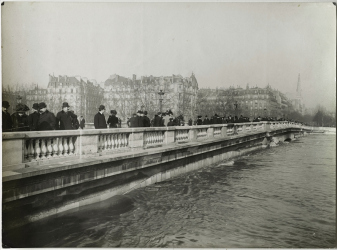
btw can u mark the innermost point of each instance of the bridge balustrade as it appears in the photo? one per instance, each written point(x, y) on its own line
point(51, 146)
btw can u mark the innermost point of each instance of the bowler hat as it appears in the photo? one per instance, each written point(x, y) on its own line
point(5, 104)
point(199, 116)
point(65, 104)
point(35, 106)
point(42, 105)
point(139, 112)
point(26, 108)
point(101, 107)
point(20, 107)
point(113, 112)
point(145, 112)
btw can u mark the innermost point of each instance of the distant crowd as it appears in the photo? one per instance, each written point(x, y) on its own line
point(41, 119)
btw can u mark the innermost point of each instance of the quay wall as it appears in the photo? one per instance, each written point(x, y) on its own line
point(49, 177)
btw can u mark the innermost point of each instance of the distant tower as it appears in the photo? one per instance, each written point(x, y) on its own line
point(299, 90)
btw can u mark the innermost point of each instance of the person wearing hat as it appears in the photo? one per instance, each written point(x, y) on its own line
point(113, 120)
point(170, 123)
point(33, 118)
point(65, 120)
point(140, 119)
point(206, 121)
point(99, 119)
point(47, 119)
point(133, 121)
point(199, 121)
point(147, 122)
point(19, 118)
point(7, 124)
point(157, 121)
point(81, 121)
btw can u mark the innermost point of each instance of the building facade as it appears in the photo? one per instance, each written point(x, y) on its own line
point(249, 102)
point(83, 96)
point(127, 95)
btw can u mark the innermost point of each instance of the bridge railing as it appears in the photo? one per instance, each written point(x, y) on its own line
point(60, 146)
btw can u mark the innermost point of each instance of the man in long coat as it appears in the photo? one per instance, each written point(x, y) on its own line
point(33, 118)
point(7, 124)
point(147, 122)
point(99, 119)
point(20, 119)
point(157, 121)
point(65, 120)
point(47, 119)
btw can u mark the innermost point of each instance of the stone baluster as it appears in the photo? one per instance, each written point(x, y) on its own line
point(43, 149)
point(37, 149)
point(113, 142)
point(71, 146)
point(30, 149)
point(49, 148)
point(105, 142)
point(65, 146)
point(123, 140)
point(55, 147)
point(61, 148)
point(109, 141)
point(26, 150)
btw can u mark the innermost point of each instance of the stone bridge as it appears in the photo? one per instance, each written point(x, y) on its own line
point(48, 172)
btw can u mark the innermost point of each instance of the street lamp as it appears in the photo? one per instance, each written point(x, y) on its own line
point(236, 107)
point(161, 93)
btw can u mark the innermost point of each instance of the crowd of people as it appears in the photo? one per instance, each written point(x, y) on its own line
point(41, 119)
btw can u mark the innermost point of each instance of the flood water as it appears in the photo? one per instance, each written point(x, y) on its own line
point(280, 197)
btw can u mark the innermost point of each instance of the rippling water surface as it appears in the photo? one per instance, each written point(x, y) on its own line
point(281, 197)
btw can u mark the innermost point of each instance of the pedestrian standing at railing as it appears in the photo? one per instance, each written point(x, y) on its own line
point(47, 119)
point(157, 121)
point(206, 121)
point(133, 121)
point(147, 122)
point(33, 118)
point(99, 119)
point(199, 120)
point(113, 120)
point(81, 121)
point(66, 120)
point(20, 119)
point(7, 124)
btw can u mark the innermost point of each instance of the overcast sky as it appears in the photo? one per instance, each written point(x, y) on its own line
point(222, 43)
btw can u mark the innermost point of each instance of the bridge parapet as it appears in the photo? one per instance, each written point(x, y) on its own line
point(41, 147)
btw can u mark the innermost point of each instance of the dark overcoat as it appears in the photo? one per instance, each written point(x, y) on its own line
point(147, 122)
point(33, 121)
point(65, 120)
point(133, 122)
point(7, 123)
point(113, 121)
point(157, 122)
point(20, 123)
point(47, 121)
point(99, 121)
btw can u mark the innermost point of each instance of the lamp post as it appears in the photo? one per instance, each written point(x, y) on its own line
point(236, 107)
point(161, 93)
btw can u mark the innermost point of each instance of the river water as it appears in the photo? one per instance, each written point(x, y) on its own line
point(280, 197)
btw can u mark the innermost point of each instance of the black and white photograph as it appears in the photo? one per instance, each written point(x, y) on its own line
point(168, 124)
